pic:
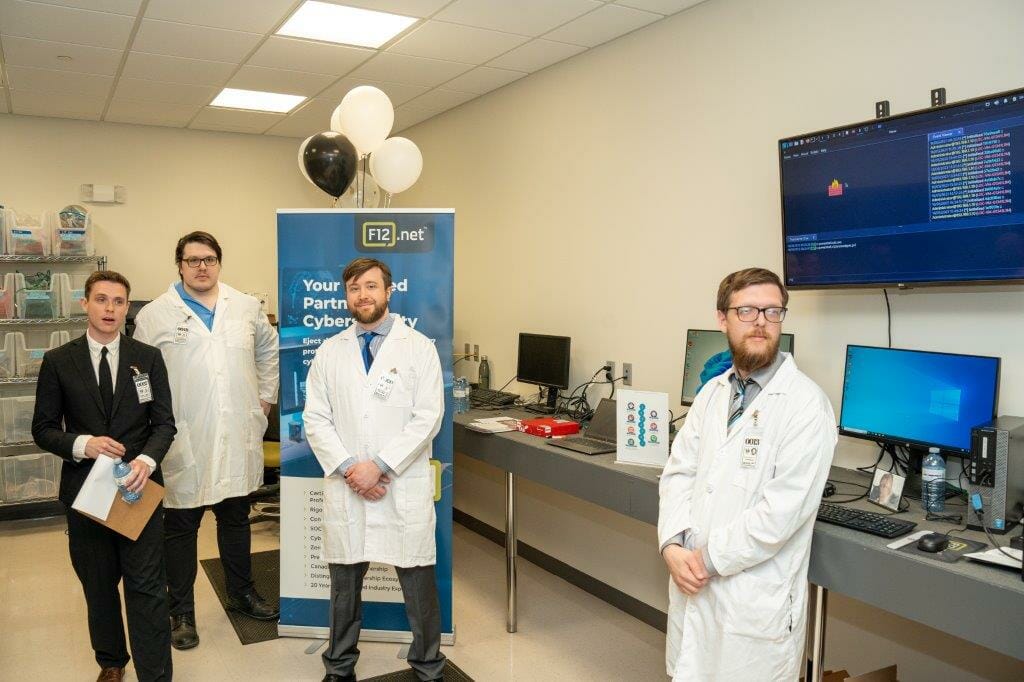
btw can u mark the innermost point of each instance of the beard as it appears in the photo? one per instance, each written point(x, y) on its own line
point(748, 360)
point(374, 315)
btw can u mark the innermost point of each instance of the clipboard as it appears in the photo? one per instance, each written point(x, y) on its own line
point(129, 519)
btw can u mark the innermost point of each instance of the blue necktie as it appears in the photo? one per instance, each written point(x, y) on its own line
point(367, 337)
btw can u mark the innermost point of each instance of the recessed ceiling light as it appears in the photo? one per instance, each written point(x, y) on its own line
point(344, 25)
point(234, 98)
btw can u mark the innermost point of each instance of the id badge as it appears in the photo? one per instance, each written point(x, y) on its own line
point(181, 333)
point(385, 385)
point(143, 388)
point(753, 446)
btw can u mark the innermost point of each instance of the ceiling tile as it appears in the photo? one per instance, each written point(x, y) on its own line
point(196, 42)
point(213, 118)
point(535, 55)
point(410, 116)
point(237, 15)
point(441, 99)
point(409, 8)
point(305, 55)
point(63, 24)
point(57, 82)
point(60, 106)
point(151, 113)
point(280, 80)
point(43, 54)
point(659, 6)
point(177, 69)
point(483, 79)
point(129, 7)
point(313, 118)
point(602, 25)
point(139, 90)
point(397, 68)
point(396, 92)
point(456, 43)
point(526, 17)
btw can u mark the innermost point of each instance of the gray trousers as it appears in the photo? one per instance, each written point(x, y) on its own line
point(421, 606)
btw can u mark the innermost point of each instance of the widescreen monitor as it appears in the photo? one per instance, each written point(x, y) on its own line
point(917, 398)
point(929, 197)
point(707, 356)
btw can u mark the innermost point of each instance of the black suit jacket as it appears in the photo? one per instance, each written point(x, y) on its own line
point(68, 405)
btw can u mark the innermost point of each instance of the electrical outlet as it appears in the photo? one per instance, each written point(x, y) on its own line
point(627, 374)
point(465, 353)
point(476, 352)
point(609, 374)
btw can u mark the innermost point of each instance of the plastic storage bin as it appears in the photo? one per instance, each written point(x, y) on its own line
point(71, 287)
point(69, 231)
point(24, 236)
point(24, 478)
point(7, 295)
point(16, 419)
point(8, 368)
point(30, 348)
point(41, 304)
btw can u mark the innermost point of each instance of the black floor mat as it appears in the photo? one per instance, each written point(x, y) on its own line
point(452, 673)
point(266, 574)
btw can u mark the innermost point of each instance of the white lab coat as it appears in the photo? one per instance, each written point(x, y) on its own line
point(218, 378)
point(756, 521)
point(343, 418)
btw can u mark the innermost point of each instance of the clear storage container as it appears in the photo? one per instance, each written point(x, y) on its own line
point(16, 419)
point(8, 295)
point(70, 231)
point(31, 346)
point(37, 301)
point(24, 478)
point(24, 235)
point(71, 288)
point(8, 366)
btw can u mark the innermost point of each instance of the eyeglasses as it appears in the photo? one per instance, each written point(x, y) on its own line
point(193, 263)
point(748, 313)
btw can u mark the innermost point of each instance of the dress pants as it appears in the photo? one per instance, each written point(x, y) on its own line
point(421, 606)
point(181, 534)
point(102, 558)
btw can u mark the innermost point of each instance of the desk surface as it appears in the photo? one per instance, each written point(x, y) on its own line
point(979, 603)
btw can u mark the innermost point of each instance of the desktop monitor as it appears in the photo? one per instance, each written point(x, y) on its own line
point(544, 361)
point(917, 399)
point(704, 359)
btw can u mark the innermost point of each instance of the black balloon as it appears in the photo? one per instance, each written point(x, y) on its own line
point(330, 160)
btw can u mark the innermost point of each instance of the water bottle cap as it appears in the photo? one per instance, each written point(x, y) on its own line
point(933, 451)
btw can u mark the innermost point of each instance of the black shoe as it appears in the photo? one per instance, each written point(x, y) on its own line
point(183, 631)
point(331, 677)
point(254, 606)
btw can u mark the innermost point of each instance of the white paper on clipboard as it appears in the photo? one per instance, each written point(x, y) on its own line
point(99, 489)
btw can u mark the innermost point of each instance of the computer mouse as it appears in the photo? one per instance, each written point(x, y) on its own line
point(935, 542)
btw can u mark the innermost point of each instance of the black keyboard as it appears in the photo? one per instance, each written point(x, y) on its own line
point(869, 522)
point(488, 396)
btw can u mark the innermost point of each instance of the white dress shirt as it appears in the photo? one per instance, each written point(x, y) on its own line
point(96, 355)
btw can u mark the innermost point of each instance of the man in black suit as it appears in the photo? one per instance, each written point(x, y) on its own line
point(91, 401)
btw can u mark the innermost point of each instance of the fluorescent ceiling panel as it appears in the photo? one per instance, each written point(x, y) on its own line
point(233, 98)
point(344, 25)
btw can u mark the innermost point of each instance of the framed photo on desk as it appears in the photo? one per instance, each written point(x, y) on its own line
point(886, 489)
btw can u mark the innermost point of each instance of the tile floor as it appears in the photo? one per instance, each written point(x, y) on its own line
point(564, 633)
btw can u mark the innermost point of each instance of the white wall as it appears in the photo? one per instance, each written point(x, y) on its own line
point(228, 184)
point(605, 197)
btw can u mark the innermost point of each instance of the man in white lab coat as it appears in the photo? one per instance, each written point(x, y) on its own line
point(221, 355)
point(374, 402)
point(739, 496)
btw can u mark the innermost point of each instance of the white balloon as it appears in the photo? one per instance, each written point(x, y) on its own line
point(365, 116)
point(302, 164)
point(397, 165)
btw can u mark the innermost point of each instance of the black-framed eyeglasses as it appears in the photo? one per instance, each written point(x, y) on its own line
point(749, 313)
point(193, 263)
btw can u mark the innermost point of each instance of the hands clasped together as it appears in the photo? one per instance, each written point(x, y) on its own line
point(687, 569)
point(367, 480)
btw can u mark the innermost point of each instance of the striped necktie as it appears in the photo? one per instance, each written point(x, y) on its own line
point(736, 406)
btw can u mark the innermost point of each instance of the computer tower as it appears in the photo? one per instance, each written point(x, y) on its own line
point(995, 470)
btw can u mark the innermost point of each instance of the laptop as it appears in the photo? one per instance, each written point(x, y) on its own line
point(600, 435)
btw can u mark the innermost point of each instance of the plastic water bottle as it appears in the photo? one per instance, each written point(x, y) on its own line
point(121, 473)
point(933, 481)
point(460, 393)
point(484, 378)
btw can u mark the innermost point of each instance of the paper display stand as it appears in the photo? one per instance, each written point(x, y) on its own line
point(641, 428)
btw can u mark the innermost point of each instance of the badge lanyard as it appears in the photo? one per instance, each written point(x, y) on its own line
point(385, 385)
point(181, 331)
point(753, 442)
point(142, 386)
